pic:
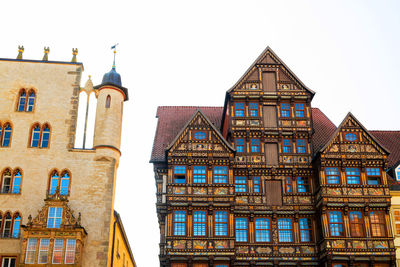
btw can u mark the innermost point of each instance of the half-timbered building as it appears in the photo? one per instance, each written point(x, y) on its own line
point(267, 180)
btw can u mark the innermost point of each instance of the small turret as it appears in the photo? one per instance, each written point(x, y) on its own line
point(110, 97)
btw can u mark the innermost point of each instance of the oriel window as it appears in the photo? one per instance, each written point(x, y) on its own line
point(58, 251)
point(70, 251)
point(31, 251)
point(43, 251)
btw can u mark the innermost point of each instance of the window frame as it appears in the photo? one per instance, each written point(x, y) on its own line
point(267, 229)
point(288, 184)
point(239, 110)
point(381, 223)
point(300, 110)
point(329, 174)
point(57, 251)
point(353, 175)
point(377, 177)
point(290, 231)
point(303, 147)
point(41, 133)
point(28, 249)
point(12, 177)
point(285, 112)
point(198, 132)
point(10, 259)
point(243, 233)
point(254, 112)
point(351, 141)
point(257, 184)
point(241, 146)
point(396, 223)
point(255, 145)
point(27, 98)
point(66, 251)
point(286, 148)
point(200, 175)
point(4, 132)
point(55, 224)
point(240, 184)
point(60, 176)
point(220, 174)
point(222, 223)
point(41, 250)
point(340, 224)
point(305, 184)
point(175, 223)
point(179, 175)
point(353, 225)
point(309, 230)
point(200, 223)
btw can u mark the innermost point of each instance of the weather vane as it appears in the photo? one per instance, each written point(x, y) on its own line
point(115, 51)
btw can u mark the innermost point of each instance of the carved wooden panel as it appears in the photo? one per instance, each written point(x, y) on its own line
point(270, 118)
point(273, 191)
point(271, 154)
point(269, 81)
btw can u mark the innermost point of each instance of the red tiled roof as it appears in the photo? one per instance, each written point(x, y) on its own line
point(172, 119)
point(323, 129)
point(391, 141)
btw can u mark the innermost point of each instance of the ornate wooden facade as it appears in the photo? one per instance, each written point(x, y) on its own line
point(246, 184)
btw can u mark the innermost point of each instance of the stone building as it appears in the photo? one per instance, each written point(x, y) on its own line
point(57, 201)
point(268, 180)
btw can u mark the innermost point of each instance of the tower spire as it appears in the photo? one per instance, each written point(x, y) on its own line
point(115, 52)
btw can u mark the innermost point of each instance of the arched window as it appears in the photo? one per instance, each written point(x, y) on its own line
point(59, 183)
point(11, 181)
point(40, 135)
point(26, 101)
point(31, 101)
point(22, 100)
point(108, 101)
point(7, 225)
point(6, 135)
point(16, 225)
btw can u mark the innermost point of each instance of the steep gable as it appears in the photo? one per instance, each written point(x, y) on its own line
point(352, 140)
point(269, 68)
point(200, 137)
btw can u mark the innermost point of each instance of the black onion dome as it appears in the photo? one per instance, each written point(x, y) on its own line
point(112, 77)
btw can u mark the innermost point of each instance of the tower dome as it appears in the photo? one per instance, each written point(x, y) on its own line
point(112, 77)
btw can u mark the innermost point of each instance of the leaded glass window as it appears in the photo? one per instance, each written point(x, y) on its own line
point(240, 184)
point(332, 175)
point(180, 222)
point(58, 251)
point(221, 223)
point(70, 251)
point(305, 229)
point(285, 230)
point(335, 223)
point(54, 217)
point(356, 224)
point(378, 225)
point(220, 174)
point(31, 251)
point(353, 176)
point(199, 223)
point(263, 230)
point(199, 174)
point(43, 250)
point(241, 229)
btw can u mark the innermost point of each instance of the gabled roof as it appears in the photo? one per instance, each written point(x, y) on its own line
point(259, 60)
point(323, 129)
point(171, 120)
point(195, 114)
point(391, 140)
point(348, 116)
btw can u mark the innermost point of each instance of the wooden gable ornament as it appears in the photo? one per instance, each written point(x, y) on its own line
point(269, 73)
point(200, 135)
point(353, 139)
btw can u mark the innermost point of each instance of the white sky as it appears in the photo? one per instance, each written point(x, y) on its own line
point(191, 52)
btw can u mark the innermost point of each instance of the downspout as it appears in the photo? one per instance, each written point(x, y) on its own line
point(112, 247)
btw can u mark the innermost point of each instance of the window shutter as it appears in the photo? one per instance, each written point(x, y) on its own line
point(269, 81)
point(273, 191)
point(271, 154)
point(269, 115)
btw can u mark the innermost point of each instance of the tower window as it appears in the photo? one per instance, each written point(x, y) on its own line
point(26, 100)
point(108, 101)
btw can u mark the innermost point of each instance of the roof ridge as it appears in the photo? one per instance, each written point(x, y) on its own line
point(385, 131)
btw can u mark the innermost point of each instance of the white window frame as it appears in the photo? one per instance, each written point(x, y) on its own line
point(9, 261)
point(27, 250)
point(66, 251)
point(58, 250)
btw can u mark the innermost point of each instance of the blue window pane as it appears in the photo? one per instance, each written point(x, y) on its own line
point(300, 110)
point(199, 174)
point(54, 183)
point(285, 110)
point(64, 184)
point(180, 223)
point(240, 145)
point(302, 184)
point(335, 223)
point(353, 176)
point(221, 223)
point(200, 135)
point(350, 137)
point(220, 174)
point(17, 225)
point(255, 145)
point(22, 99)
point(180, 170)
point(373, 172)
point(45, 137)
point(239, 110)
point(199, 226)
point(241, 229)
point(332, 176)
point(286, 146)
point(35, 136)
point(31, 102)
point(253, 109)
point(256, 184)
point(285, 230)
point(301, 146)
point(288, 183)
point(17, 183)
point(240, 184)
point(305, 230)
point(7, 136)
point(54, 217)
point(263, 233)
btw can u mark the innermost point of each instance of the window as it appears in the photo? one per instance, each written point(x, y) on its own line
point(16, 226)
point(199, 174)
point(263, 230)
point(58, 251)
point(240, 145)
point(285, 109)
point(240, 184)
point(179, 174)
point(54, 217)
point(221, 223)
point(199, 223)
point(225, 265)
point(332, 175)
point(220, 174)
point(336, 223)
point(257, 186)
point(253, 110)
point(11, 225)
point(5, 135)
point(350, 137)
point(255, 145)
point(301, 146)
point(356, 224)
point(288, 184)
point(299, 110)
point(11, 182)
point(70, 251)
point(285, 230)
point(7, 225)
point(180, 222)
point(373, 176)
point(241, 229)
point(200, 135)
point(30, 251)
point(239, 110)
point(40, 136)
point(305, 229)
point(59, 183)
point(286, 146)
point(353, 176)
point(396, 214)
point(8, 262)
point(23, 104)
point(43, 250)
point(377, 220)
point(108, 101)
point(302, 185)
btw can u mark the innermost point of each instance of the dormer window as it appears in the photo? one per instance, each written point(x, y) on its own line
point(351, 137)
point(200, 135)
point(54, 217)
